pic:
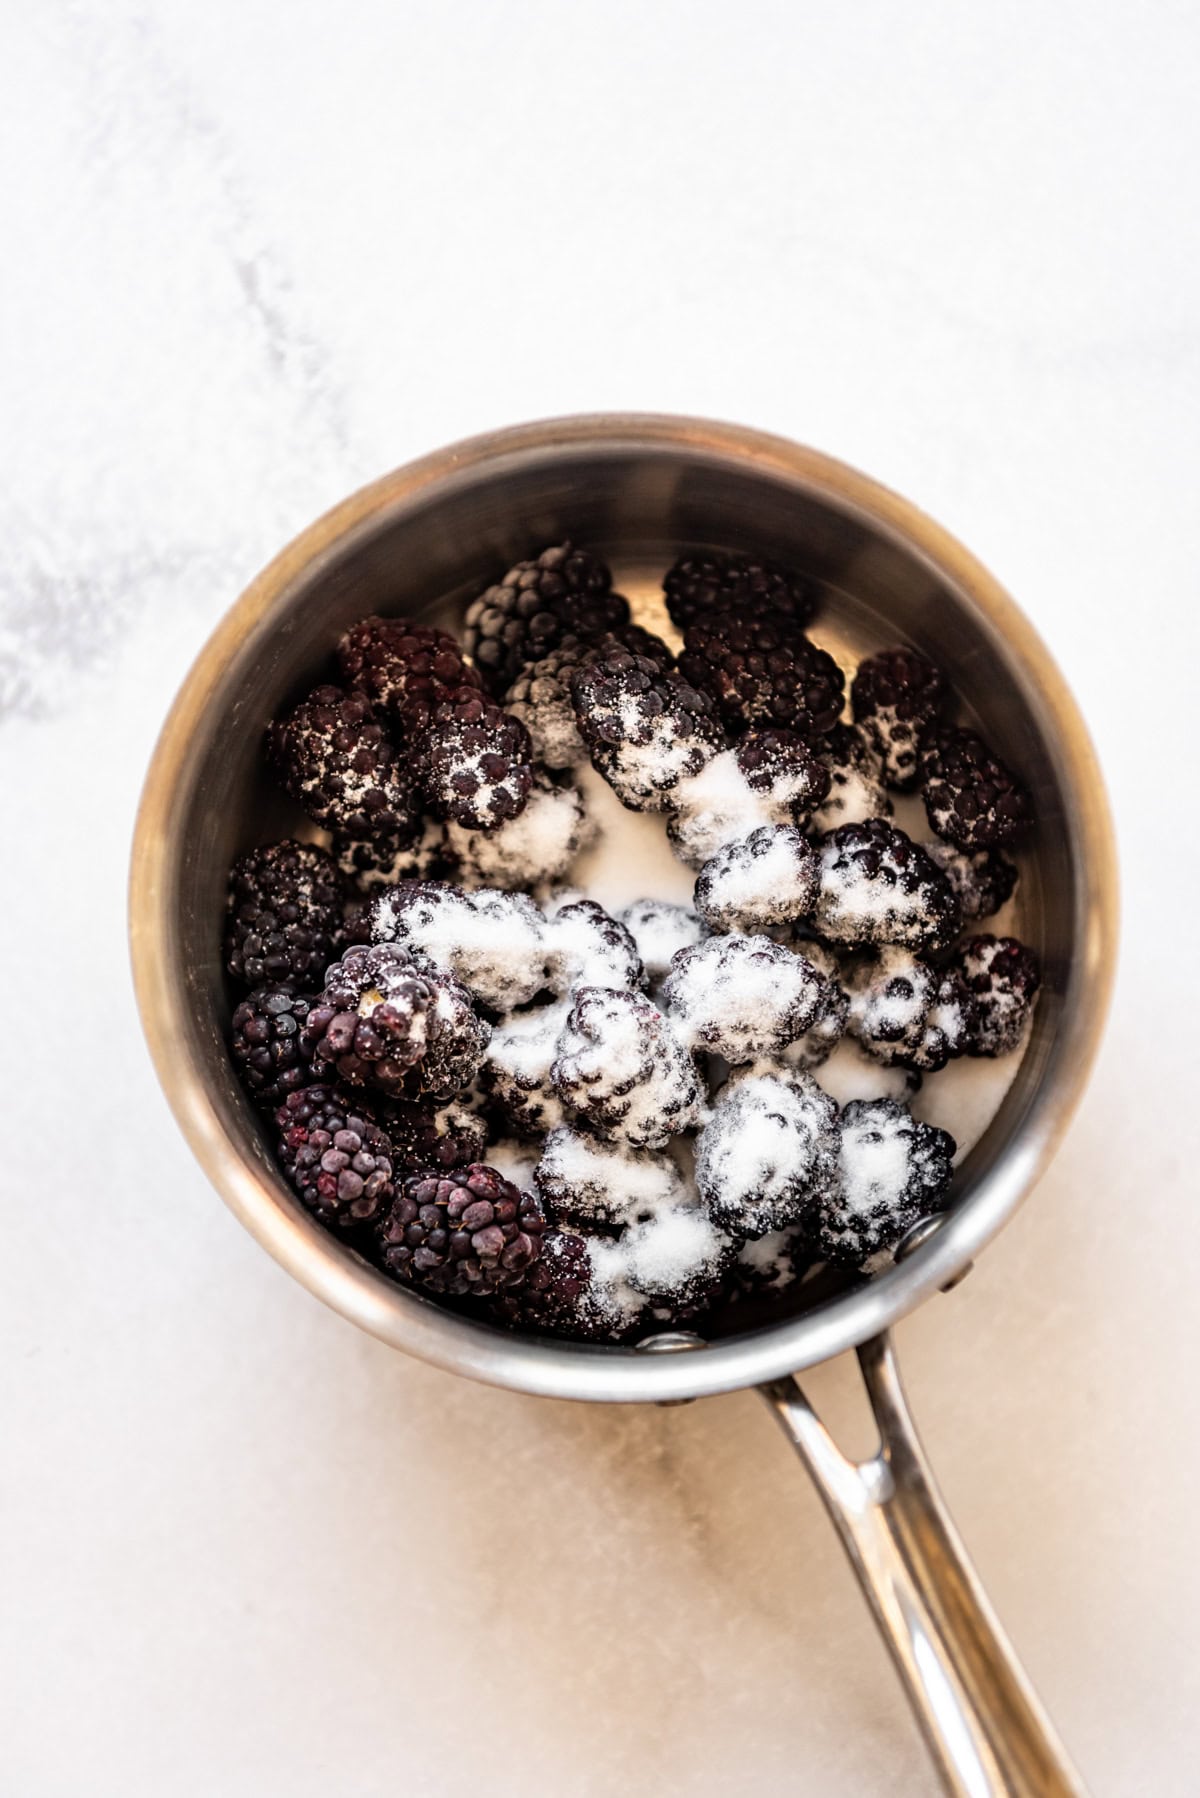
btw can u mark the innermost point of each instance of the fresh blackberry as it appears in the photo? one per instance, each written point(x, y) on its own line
point(982, 882)
point(516, 1071)
point(971, 798)
point(425, 1136)
point(594, 1182)
point(495, 943)
point(877, 886)
point(472, 761)
point(768, 1154)
point(710, 584)
point(553, 1297)
point(761, 879)
point(284, 913)
point(770, 1265)
point(460, 1232)
point(372, 862)
point(769, 777)
point(356, 923)
point(856, 789)
point(1002, 977)
point(782, 772)
point(742, 997)
point(896, 695)
point(587, 947)
point(564, 592)
point(335, 1155)
point(267, 1044)
point(539, 845)
point(659, 929)
point(908, 1014)
point(385, 1020)
point(645, 728)
point(541, 694)
point(763, 672)
point(675, 1258)
point(332, 755)
point(620, 1066)
point(404, 669)
point(892, 1171)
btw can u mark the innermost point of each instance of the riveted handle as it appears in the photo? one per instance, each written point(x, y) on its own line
point(980, 1717)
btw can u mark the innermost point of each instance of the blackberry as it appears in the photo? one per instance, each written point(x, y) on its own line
point(708, 585)
point(564, 592)
point(587, 947)
point(896, 695)
point(267, 1044)
point(495, 943)
point(892, 1171)
point(427, 1137)
point(877, 886)
point(554, 1294)
point(768, 778)
point(332, 756)
point(595, 1182)
point(460, 1232)
point(404, 669)
point(539, 845)
point(645, 728)
point(356, 924)
point(761, 879)
point(783, 773)
point(621, 1067)
point(659, 929)
point(769, 1153)
point(771, 1264)
point(1002, 977)
point(516, 1072)
point(372, 862)
point(971, 798)
point(386, 1021)
point(763, 672)
point(908, 1014)
point(856, 789)
point(284, 914)
point(335, 1155)
point(982, 882)
point(541, 694)
point(472, 762)
point(742, 996)
point(675, 1258)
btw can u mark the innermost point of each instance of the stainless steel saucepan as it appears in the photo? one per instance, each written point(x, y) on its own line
point(636, 487)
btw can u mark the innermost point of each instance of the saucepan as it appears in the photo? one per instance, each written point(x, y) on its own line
point(636, 488)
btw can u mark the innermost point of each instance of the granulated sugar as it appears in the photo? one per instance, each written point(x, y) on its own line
point(606, 1182)
point(631, 858)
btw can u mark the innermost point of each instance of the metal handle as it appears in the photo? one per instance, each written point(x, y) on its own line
point(980, 1717)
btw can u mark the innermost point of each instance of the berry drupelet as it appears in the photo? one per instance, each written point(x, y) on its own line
point(708, 585)
point(896, 695)
point(762, 671)
point(563, 592)
point(333, 756)
point(336, 1156)
point(971, 798)
point(284, 915)
point(461, 1232)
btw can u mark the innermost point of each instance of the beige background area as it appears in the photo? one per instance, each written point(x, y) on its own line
point(255, 255)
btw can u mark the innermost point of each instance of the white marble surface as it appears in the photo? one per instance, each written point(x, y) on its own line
point(255, 254)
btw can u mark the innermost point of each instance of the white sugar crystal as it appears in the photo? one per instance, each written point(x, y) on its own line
point(632, 857)
point(515, 1160)
point(715, 807)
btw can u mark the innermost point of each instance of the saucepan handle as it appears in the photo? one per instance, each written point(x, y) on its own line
point(980, 1716)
